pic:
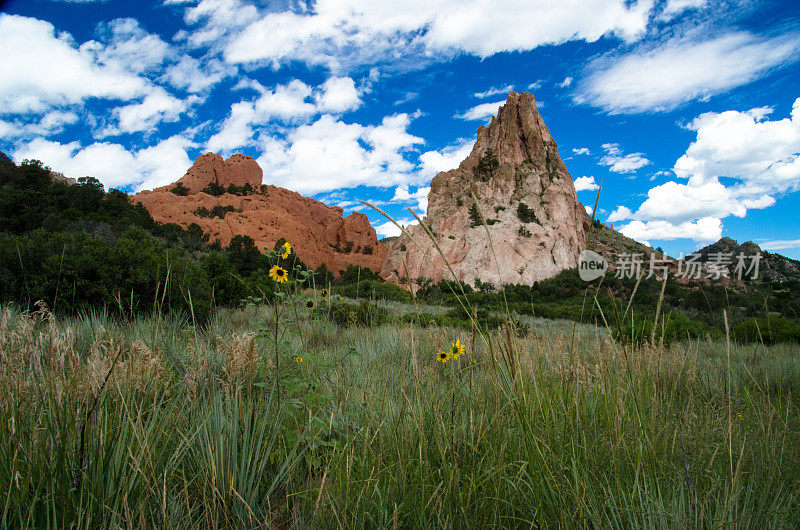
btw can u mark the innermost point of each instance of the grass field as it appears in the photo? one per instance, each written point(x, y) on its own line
point(152, 422)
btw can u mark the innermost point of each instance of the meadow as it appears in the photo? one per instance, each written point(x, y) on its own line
point(340, 416)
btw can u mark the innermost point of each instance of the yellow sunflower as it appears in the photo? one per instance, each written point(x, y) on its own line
point(278, 274)
point(324, 293)
point(443, 356)
point(298, 359)
point(287, 249)
point(310, 303)
point(456, 349)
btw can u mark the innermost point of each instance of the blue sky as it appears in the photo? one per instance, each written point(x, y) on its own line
point(686, 110)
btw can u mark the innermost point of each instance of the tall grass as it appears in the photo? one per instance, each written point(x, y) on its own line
point(372, 431)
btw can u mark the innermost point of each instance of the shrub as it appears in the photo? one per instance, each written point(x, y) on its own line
point(487, 165)
point(214, 189)
point(475, 216)
point(526, 214)
point(374, 289)
point(365, 313)
point(180, 189)
point(771, 330)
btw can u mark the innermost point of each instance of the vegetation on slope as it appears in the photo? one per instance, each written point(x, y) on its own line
point(77, 247)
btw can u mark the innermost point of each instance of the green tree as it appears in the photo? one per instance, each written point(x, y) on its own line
point(487, 165)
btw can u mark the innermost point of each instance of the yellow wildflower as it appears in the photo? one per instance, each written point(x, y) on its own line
point(278, 274)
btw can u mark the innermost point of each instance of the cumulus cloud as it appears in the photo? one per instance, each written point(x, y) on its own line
point(125, 45)
point(51, 123)
point(481, 112)
point(759, 158)
point(705, 229)
point(27, 85)
point(585, 184)
point(194, 75)
point(114, 165)
point(337, 30)
point(158, 106)
point(581, 151)
point(388, 229)
point(566, 82)
point(420, 196)
point(294, 102)
point(338, 94)
point(433, 162)
point(331, 154)
point(622, 163)
point(659, 76)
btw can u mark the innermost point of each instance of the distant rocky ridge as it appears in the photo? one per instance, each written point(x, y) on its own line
point(521, 188)
point(772, 267)
point(226, 198)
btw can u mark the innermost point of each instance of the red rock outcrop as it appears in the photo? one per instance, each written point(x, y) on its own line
point(535, 226)
point(210, 167)
point(317, 232)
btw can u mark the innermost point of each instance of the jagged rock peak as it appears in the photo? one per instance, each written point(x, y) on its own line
point(516, 134)
point(210, 167)
point(521, 188)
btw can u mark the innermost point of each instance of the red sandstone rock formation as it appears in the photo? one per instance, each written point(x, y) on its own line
point(317, 232)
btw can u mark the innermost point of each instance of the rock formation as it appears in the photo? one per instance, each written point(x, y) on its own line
point(317, 232)
point(521, 188)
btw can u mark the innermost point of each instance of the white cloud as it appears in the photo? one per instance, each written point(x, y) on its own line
point(675, 7)
point(536, 85)
point(585, 184)
point(338, 94)
point(620, 214)
point(127, 46)
point(482, 111)
point(660, 76)
point(581, 151)
point(762, 155)
point(704, 229)
point(388, 229)
point(402, 194)
point(156, 107)
point(292, 102)
point(28, 84)
point(51, 123)
point(330, 154)
point(219, 18)
point(494, 91)
point(111, 163)
point(759, 158)
point(566, 82)
point(195, 75)
point(621, 163)
point(359, 30)
point(780, 244)
point(433, 162)
point(588, 209)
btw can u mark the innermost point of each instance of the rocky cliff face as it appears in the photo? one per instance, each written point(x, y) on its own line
point(317, 232)
point(521, 187)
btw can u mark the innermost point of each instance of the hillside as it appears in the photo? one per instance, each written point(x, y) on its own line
point(226, 198)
